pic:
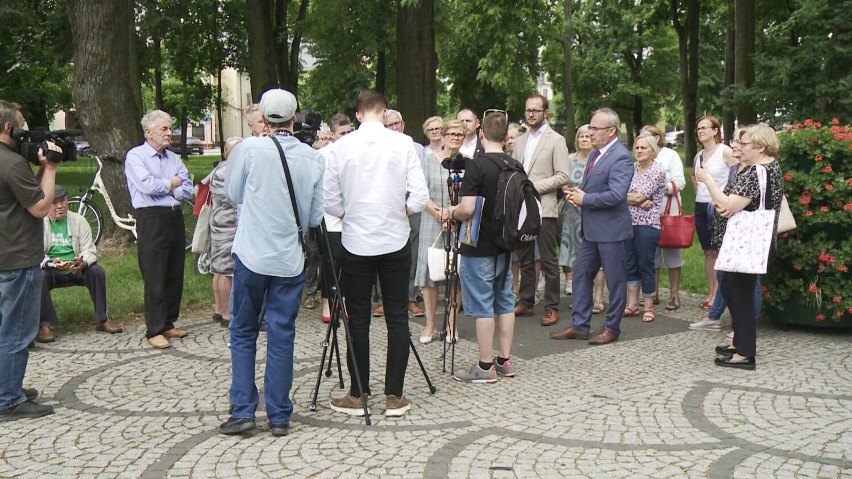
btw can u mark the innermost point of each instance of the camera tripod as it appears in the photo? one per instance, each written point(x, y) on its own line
point(451, 270)
point(330, 344)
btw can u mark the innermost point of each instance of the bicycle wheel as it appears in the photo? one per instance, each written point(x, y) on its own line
point(202, 263)
point(89, 210)
point(189, 220)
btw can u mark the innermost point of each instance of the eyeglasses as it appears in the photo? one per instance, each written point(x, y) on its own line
point(455, 135)
point(433, 130)
point(394, 126)
point(531, 111)
point(700, 128)
point(596, 129)
point(492, 110)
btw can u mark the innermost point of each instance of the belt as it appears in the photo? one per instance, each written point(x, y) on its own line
point(162, 208)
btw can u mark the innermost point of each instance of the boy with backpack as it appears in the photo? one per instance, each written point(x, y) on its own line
point(510, 215)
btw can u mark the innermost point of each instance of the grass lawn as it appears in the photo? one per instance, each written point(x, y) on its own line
point(124, 283)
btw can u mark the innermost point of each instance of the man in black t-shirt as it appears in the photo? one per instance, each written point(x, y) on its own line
point(485, 273)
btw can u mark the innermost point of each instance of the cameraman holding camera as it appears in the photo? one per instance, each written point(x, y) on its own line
point(24, 200)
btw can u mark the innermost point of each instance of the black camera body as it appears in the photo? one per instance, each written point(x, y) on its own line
point(455, 163)
point(29, 142)
point(308, 123)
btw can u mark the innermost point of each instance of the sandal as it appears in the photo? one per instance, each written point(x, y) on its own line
point(598, 307)
point(673, 304)
point(648, 316)
point(656, 299)
point(631, 312)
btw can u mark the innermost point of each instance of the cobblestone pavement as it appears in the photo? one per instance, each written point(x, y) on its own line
point(651, 404)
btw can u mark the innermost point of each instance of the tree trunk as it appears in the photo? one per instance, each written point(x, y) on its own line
point(295, 50)
point(744, 51)
point(381, 68)
point(262, 58)
point(158, 72)
point(282, 57)
point(416, 65)
point(106, 88)
point(728, 116)
point(567, 85)
point(687, 34)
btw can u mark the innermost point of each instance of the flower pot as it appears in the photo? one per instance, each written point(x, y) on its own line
point(799, 313)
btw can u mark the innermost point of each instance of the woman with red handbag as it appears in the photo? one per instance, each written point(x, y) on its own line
point(671, 258)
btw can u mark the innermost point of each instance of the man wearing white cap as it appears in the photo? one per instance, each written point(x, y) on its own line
point(269, 259)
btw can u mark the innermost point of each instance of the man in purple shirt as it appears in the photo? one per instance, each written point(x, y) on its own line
point(158, 181)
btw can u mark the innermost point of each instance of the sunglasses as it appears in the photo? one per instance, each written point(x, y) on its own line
point(492, 110)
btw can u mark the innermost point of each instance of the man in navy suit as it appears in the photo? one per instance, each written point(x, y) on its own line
point(607, 225)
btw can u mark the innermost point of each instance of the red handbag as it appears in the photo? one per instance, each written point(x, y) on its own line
point(202, 196)
point(678, 230)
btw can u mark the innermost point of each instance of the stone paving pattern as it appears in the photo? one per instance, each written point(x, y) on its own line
point(650, 405)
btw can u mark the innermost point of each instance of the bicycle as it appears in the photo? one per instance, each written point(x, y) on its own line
point(85, 206)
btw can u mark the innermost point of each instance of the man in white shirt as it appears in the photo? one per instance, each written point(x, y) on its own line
point(471, 145)
point(373, 182)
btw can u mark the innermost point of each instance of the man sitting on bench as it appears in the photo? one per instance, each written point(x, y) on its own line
point(70, 260)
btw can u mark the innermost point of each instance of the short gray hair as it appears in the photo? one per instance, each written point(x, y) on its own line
point(612, 119)
point(253, 107)
point(7, 113)
point(154, 115)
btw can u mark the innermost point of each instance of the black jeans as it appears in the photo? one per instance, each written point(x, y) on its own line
point(161, 256)
point(93, 278)
point(357, 275)
point(738, 291)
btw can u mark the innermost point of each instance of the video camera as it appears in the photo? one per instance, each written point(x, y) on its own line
point(307, 126)
point(455, 162)
point(30, 141)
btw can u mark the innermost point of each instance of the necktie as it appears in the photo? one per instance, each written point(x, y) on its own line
point(591, 164)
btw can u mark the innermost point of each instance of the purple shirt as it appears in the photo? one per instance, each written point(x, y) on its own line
point(651, 185)
point(149, 177)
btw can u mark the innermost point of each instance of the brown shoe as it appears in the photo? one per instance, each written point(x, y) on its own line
point(175, 333)
point(311, 301)
point(45, 334)
point(415, 310)
point(523, 311)
point(379, 311)
point(108, 327)
point(551, 316)
point(569, 333)
point(159, 342)
point(605, 336)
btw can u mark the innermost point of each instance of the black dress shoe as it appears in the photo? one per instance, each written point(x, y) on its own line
point(747, 363)
point(237, 426)
point(31, 394)
point(279, 429)
point(725, 350)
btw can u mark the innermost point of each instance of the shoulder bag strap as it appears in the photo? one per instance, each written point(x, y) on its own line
point(292, 193)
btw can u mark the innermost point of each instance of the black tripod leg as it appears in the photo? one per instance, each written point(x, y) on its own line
point(432, 388)
point(325, 353)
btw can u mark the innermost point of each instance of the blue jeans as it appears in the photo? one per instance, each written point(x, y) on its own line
point(20, 292)
point(640, 258)
point(719, 304)
point(283, 298)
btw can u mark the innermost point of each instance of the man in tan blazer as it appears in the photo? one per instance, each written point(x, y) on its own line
point(544, 154)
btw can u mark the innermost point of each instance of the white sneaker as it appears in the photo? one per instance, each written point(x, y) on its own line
point(540, 286)
point(706, 324)
point(569, 287)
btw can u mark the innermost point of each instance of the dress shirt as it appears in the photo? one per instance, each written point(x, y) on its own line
point(373, 176)
point(149, 177)
point(333, 224)
point(266, 241)
point(532, 143)
point(469, 149)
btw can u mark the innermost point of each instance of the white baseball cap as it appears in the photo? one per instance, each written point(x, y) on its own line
point(278, 105)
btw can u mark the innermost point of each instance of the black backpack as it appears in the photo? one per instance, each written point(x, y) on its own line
point(517, 207)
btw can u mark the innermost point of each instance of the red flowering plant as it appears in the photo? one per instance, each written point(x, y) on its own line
point(813, 260)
